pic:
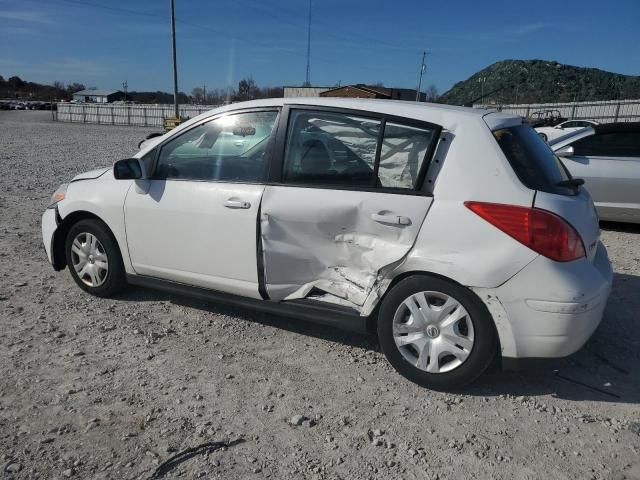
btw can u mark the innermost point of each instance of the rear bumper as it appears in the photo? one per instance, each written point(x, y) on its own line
point(550, 309)
point(49, 227)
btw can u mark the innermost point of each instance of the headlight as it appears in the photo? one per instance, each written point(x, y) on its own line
point(58, 195)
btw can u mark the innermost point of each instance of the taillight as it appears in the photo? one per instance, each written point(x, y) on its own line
point(540, 230)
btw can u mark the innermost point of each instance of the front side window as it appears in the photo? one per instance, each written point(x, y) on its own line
point(617, 144)
point(330, 149)
point(532, 160)
point(230, 148)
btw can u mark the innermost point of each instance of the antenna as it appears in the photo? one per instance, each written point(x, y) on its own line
point(307, 82)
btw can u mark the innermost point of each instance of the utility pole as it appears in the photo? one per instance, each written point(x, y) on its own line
point(204, 94)
point(175, 64)
point(307, 82)
point(124, 88)
point(423, 67)
point(482, 80)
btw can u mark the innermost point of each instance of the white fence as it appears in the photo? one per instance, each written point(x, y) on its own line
point(153, 115)
point(116, 114)
point(603, 112)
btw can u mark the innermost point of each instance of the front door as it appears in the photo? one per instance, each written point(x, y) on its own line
point(195, 220)
point(348, 205)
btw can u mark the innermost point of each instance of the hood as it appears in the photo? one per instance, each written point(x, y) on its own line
point(98, 172)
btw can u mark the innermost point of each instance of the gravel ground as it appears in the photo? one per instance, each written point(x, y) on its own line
point(111, 388)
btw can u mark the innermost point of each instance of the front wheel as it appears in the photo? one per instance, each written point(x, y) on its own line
point(94, 259)
point(436, 333)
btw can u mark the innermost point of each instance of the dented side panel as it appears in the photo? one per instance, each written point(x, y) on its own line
point(332, 243)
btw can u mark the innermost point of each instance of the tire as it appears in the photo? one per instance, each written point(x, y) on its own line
point(95, 255)
point(469, 332)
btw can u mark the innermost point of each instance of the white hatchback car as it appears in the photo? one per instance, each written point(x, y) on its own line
point(453, 233)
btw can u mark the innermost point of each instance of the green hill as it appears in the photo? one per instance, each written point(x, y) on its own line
point(535, 81)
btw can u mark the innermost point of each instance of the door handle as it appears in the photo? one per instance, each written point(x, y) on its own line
point(237, 204)
point(390, 219)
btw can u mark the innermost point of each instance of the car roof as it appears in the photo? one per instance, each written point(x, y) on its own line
point(617, 127)
point(571, 137)
point(445, 115)
point(450, 117)
point(391, 107)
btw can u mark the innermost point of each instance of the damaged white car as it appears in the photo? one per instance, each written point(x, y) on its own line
point(453, 233)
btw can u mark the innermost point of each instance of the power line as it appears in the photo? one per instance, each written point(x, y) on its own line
point(242, 39)
point(329, 30)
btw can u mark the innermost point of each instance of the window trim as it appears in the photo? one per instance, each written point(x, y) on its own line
point(270, 151)
point(276, 173)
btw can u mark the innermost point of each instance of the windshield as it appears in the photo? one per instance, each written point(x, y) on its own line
point(532, 160)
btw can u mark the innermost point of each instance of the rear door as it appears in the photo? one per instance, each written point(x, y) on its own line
point(610, 165)
point(345, 204)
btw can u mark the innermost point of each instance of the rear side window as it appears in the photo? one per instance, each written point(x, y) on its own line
point(532, 160)
point(402, 155)
point(619, 144)
point(330, 148)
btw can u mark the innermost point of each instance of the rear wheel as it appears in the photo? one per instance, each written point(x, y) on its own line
point(436, 333)
point(94, 259)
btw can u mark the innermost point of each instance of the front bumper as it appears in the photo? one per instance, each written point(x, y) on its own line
point(550, 309)
point(49, 227)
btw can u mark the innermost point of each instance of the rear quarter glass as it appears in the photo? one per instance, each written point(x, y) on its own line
point(532, 160)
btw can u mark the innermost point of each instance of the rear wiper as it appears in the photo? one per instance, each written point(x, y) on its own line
point(572, 182)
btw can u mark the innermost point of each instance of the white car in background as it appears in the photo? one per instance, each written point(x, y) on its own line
point(453, 233)
point(607, 158)
point(550, 133)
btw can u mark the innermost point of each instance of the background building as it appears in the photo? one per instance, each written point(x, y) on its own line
point(99, 96)
point(373, 91)
point(304, 91)
point(359, 90)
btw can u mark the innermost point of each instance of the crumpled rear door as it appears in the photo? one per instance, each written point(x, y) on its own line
point(335, 242)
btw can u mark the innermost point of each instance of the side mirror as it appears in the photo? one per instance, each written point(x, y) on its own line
point(127, 169)
point(566, 151)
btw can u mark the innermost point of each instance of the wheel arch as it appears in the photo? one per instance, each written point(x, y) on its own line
point(372, 320)
point(58, 254)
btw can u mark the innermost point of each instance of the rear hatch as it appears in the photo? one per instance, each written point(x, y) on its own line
point(538, 168)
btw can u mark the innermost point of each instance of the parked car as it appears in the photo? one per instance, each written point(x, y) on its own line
point(550, 133)
point(607, 157)
point(454, 234)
